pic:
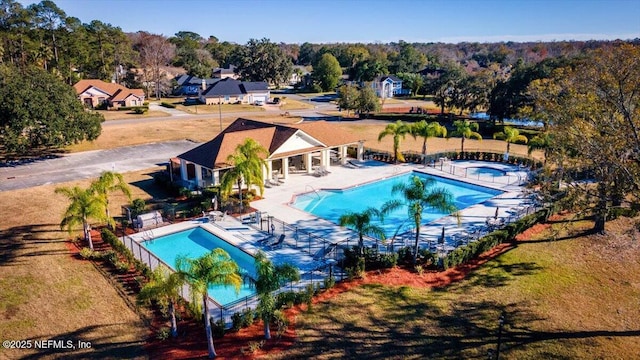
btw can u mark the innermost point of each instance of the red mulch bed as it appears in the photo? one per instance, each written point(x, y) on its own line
point(191, 343)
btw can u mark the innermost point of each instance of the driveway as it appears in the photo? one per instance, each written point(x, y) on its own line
point(90, 164)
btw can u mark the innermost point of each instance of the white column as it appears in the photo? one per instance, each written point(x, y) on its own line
point(183, 170)
point(308, 162)
point(198, 175)
point(325, 159)
point(343, 154)
point(285, 168)
point(266, 171)
point(360, 150)
point(216, 177)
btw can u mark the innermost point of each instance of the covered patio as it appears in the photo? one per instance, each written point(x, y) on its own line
point(305, 148)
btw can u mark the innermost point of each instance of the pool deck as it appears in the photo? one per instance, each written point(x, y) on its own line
point(299, 249)
point(277, 200)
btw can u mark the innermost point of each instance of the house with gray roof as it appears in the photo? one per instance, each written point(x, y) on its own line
point(232, 91)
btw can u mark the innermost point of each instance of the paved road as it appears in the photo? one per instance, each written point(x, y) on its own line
point(90, 164)
point(129, 158)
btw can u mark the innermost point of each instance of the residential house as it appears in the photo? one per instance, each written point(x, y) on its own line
point(388, 86)
point(223, 73)
point(232, 91)
point(188, 85)
point(293, 148)
point(300, 74)
point(95, 93)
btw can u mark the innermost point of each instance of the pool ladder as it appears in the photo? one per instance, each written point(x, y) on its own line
point(312, 190)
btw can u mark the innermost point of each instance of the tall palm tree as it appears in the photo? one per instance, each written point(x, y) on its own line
point(84, 206)
point(214, 268)
point(511, 135)
point(107, 182)
point(543, 141)
point(397, 130)
point(164, 285)
point(269, 278)
point(248, 160)
point(426, 130)
point(466, 130)
point(361, 223)
point(418, 196)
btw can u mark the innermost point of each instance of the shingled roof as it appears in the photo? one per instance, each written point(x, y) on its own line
point(230, 86)
point(213, 154)
point(116, 91)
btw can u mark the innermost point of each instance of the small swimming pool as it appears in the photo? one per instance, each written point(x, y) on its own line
point(196, 242)
point(331, 204)
point(483, 171)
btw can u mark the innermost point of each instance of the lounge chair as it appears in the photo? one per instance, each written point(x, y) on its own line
point(323, 251)
point(265, 240)
point(277, 244)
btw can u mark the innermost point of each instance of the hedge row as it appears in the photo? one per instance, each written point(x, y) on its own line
point(134, 108)
point(167, 105)
point(471, 251)
point(120, 248)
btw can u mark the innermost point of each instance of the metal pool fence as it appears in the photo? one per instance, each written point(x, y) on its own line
point(217, 311)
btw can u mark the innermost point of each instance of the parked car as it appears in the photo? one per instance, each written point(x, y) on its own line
point(276, 100)
point(259, 102)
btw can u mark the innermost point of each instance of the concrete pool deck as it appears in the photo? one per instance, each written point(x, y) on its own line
point(277, 200)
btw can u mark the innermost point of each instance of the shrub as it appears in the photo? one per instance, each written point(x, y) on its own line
point(287, 299)
point(419, 269)
point(280, 321)
point(122, 267)
point(167, 105)
point(252, 347)
point(138, 206)
point(247, 317)
point(87, 253)
point(140, 111)
point(163, 334)
point(217, 328)
point(236, 321)
point(110, 256)
point(329, 282)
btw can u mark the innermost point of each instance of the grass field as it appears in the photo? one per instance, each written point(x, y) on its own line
point(574, 298)
point(122, 115)
point(47, 294)
point(117, 135)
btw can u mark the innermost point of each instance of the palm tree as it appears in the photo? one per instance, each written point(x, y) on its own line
point(107, 182)
point(361, 223)
point(84, 206)
point(426, 130)
point(269, 279)
point(542, 141)
point(164, 285)
point(511, 135)
point(248, 161)
point(417, 197)
point(214, 268)
point(397, 130)
point(466, 130)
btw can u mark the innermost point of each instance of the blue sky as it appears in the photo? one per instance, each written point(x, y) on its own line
point(298, 21)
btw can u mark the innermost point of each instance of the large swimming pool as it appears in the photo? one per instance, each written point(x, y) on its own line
point(196, 242)
point(331, 204)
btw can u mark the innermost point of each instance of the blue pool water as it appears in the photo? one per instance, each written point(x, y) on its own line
point(484, 172)
point(331, 204)
point(196, 242)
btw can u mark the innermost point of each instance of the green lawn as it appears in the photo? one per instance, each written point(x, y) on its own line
point(567, 299)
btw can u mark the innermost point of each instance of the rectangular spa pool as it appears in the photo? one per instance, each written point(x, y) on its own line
point(331, 204)
point(196, 242)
